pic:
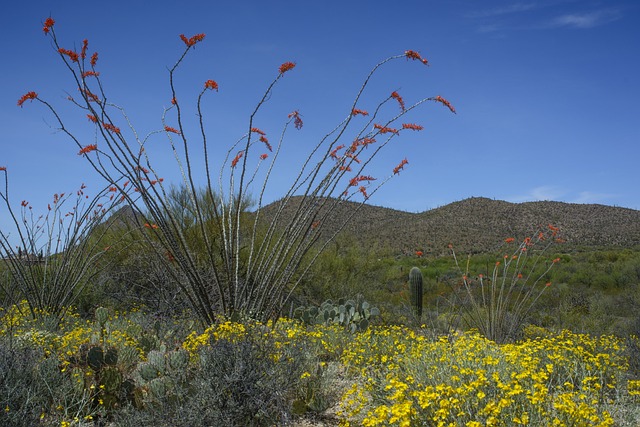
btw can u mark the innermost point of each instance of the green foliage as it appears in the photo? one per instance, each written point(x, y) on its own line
point(353, 315)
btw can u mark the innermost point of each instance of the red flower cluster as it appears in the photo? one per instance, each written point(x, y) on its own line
point(357, 179)
point(94, 59)
point(28, 95)
point(385, 129)
point(210, 84)
point(73, 56)
point(3, 168)
point(192, 40)
point(412, 54)
point(89, 148)
point(334, 153)
point(263, 156)
point(445, 103)
point(412, 126)
point(363, 190)
point(509, 240)
point(172, 130)
point(356, 111)
point(286, 67)
point(419, 253)
point(236, 159)
point(92, 118)
point(266, 142)
point(297, 121)
point(90, 74)
point(258, 131)
point(400, 166)
point(110, 127)
point(48, 24)
point(83, 51)
point(364, 141)
point(90, 95)
point(395, 95)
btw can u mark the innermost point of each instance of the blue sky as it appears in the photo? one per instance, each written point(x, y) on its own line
point(546, 92)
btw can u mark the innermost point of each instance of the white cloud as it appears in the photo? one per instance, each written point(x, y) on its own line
point(586, 20)
point(545, 192)
point(514, 8)
point(553, 193)
point(592, 197)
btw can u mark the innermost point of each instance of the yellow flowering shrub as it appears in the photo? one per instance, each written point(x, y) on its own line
point(404, 379)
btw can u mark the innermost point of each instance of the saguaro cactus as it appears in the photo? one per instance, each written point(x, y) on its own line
point(415, 281)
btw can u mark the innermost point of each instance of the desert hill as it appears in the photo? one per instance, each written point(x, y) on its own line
point(479, 224)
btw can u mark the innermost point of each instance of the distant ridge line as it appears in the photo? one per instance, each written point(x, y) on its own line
point(479, 224)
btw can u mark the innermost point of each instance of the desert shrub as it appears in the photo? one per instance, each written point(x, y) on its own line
point(241, 375)
point(33, 390)
point(20, 396)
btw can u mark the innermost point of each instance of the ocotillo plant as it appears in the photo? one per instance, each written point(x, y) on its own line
point(498, 305)
point(57, 252)
point(242, 267)
point(415, 281)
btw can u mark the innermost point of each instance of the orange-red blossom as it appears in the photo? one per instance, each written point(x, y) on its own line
point(412, 126)
point(384, 129)
point(357, 111)
point(286, 67)
point(192, 40)
point(110, 127)
point(356, 179)
point(445, 103)
point(48, 24)
point(209, 84)
point(412, 54)
point(26, 96)
point(264, 140)
point(89, 148)
point(297, 121)
point(236, 159)
point(400, 166)
point(395, 95)
point(73, 56)
point(172, 130)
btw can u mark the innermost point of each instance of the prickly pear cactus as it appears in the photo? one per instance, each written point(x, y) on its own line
point(95, 370)
point(163, 376)
point(353, 315)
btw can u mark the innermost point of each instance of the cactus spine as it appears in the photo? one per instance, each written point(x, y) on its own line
point(415, 280)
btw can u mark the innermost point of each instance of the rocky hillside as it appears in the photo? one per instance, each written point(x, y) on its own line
point(480, 224)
